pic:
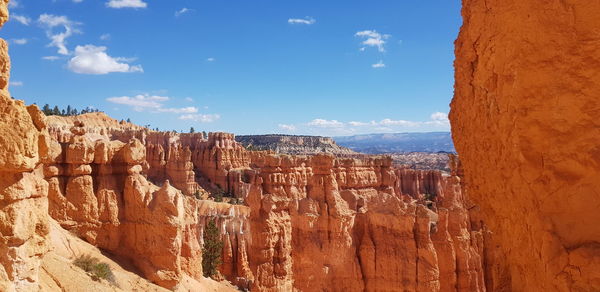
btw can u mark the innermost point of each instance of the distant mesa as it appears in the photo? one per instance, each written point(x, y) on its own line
point(296, 145)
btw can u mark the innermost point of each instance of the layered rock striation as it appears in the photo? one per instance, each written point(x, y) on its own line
point(309, 222)
point(524, 122)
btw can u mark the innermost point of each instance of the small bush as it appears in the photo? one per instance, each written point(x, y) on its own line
point(95, 268)
point(211, 250)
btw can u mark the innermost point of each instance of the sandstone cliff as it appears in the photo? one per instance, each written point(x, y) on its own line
point(524, 121)
point(23, 202)
point(309, 222)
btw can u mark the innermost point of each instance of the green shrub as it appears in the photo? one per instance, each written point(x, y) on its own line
point(211, 250)
point(95, 268)
point(197, 195)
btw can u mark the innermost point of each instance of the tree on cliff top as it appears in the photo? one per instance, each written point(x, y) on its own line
point(211, 251)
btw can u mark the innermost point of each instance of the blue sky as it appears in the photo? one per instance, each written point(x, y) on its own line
point(247, 67)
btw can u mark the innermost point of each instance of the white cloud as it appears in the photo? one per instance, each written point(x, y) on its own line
point(13, 4)
point(288, 128)
point(402, 123)
point(58, 40)
point(126, 4)
point(140, 102)
point(438, 121)
point(189, 99)
point(90, 59)
point(438, 116)
point(373, 39)
point(183, 110)
point(379, 64)
point(105, 37)
point(210, 59)
point(16, 83)
point(50, 58)
point(307, 20)
point(24, 20)
point(202, 118)
point(19, 41)
point(77, 1)
point(150, 103)
point(182, 11)
point(326, 123)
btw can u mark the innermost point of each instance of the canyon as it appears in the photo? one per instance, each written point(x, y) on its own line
point(517, 212)
point(137, 198)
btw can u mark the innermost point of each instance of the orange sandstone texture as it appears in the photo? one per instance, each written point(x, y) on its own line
point(525, 123)
point(23, 202)
point(310, 222)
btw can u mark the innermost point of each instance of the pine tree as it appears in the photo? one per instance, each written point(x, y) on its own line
point(46, 109)
point(128, 120)
point(69, 110)
point(192, 130)
point(211, 251)
point(56, 111)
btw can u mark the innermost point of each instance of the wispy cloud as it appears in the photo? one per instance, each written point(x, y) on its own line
point(19, 41)
point(105, 37)
point(307, 20)
point(287, 128)
point(373, 39)
point(16, 83)
point(24, 20)
point(50, 58)
point(13, 4)
point(437, 121)
point(183, 11)
point(379, 64)
point(322, 123)
point(126, 4)
point(150, 103)
point(58, 40)
point(90, 59)
point(201, 118)
point(210, 59)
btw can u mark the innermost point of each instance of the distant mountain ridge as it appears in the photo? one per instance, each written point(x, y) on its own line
point(398, 142)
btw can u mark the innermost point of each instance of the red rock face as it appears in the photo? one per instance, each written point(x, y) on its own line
point(524, 121)
point(310, 222)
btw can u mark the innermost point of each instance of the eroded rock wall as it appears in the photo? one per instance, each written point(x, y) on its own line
point(310, 222)
point(524, 122)
point(23, 192)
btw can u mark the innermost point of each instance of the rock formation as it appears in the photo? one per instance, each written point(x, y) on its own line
point(23, 202)
point(315, 222)
point(524, 121)
point(309, 222)
point(290, 144)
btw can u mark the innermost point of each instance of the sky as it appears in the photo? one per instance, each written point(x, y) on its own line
point(310, 67)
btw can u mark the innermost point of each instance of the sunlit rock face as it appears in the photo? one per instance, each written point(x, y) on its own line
point(23, 191)
point(308, 222)
point(525, 124)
